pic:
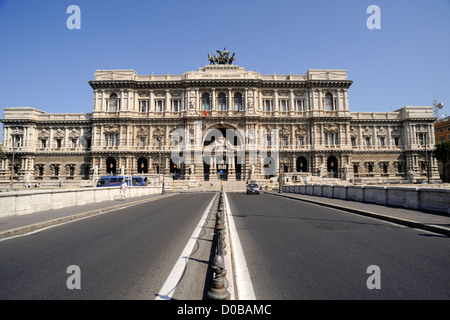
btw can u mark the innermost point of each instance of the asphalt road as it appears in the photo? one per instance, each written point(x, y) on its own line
point(296, 250)
point(125, 254)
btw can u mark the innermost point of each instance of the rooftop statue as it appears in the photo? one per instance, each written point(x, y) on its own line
point(221, 57)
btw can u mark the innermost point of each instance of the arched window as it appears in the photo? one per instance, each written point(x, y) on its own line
point(222, 99)
point(206, 105)
point(238, 102)
point(329, 102)
point(113, 103)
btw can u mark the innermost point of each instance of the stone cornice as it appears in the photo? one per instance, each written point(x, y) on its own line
point(202, 83)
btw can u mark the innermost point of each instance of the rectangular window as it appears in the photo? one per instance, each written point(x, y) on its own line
point(421, 139)
point(160, 105)
point(284, 105)
point(301, 141)
point(396, 141)
point(299, 105)
point(332, 139)
point(144, 105)
point(353, 140)
point(382, 141)
point(142, 140)
point(367, 142)
point(58, 143)
point(112, 140)
point(269, 141)
point(43, 144)
point(222, 101)
point(268, 105)
point(285, 141)
point(74, 143)
point(176, 105)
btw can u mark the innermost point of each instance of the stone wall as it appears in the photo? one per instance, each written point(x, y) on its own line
point(411, 197)
point(24, 202)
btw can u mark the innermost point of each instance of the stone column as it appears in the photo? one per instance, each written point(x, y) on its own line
point(167, 102)
point(275, 101)
point(151, 101)
point(103, 101)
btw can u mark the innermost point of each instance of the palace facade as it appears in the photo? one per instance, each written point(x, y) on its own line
point(220, 122)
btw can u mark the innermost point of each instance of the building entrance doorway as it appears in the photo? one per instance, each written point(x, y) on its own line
point(111, 166)
point(332, 167)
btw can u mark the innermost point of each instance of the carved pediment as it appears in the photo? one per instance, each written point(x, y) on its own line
point(367, 132)
point(17, 131)
point(59, 134)
point(331, 128)
point(158, 132)
point(110, 129)
point(381, 131)
point(301, 130)
point(142, 132)
point(74, 134)
point(43, 134)
point(396, 132)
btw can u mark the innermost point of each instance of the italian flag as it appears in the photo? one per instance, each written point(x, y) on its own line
point(205, 112)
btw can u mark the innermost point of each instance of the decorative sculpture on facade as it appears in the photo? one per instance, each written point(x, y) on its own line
point(222, 58)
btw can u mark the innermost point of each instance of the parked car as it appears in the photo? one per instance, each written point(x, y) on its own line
point(252, 188)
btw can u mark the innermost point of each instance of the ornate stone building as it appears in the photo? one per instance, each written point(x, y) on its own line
point(298, 125)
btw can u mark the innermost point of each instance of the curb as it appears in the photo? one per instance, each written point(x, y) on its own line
point(40, 225)
point(405, 222)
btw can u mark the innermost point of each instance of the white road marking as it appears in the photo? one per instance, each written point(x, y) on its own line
point(167, 290)
point(243, 281)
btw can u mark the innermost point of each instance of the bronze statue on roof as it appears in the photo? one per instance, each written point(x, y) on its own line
point(221, 57)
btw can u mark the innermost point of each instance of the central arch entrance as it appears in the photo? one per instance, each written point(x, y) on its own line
point(219, 141)
point(111, 166)
point(332, 167)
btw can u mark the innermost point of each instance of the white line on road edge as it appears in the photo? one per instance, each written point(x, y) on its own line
point(167, 290)
point(243, 281)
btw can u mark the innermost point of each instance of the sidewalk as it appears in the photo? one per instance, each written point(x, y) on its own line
point(435, 222)
point(20, 224)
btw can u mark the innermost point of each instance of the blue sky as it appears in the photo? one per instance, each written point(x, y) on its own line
point(45, 65)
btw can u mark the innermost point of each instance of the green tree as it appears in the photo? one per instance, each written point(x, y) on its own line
point(442, 152)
